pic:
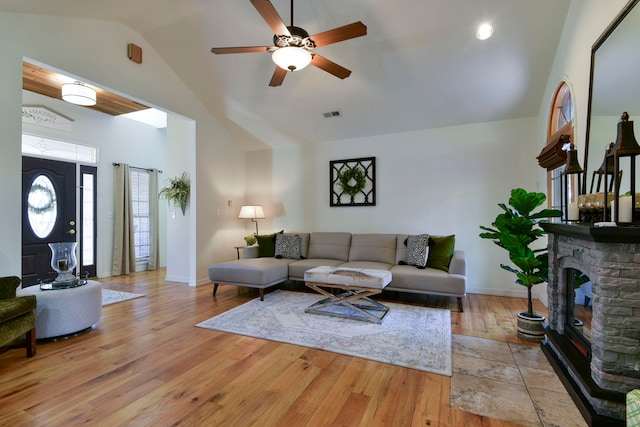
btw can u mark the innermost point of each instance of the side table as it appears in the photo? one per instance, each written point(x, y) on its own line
point(238, 250)
point(63, 312)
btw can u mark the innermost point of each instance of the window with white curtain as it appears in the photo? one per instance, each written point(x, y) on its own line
point(140, 204)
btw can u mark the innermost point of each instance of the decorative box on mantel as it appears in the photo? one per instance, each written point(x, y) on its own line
point(598, 361)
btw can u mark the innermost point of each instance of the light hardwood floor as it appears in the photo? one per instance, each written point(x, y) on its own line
point(146, 364)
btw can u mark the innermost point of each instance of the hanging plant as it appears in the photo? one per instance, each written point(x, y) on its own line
point(177, 191)
point(352, 181)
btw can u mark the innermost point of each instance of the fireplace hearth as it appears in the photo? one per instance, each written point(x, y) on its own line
point(600, 366)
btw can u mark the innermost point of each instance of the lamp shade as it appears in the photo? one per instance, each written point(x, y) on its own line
point(291, 58)
point(79, 94)
point(251, 212)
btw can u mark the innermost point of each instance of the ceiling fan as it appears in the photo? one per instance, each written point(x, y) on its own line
point(292, 48)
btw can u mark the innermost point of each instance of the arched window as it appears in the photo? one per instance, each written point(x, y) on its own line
point(559, 133)
point(562, 108)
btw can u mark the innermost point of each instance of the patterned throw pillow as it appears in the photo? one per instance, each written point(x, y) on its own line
point(288, 246)
point(418, 250)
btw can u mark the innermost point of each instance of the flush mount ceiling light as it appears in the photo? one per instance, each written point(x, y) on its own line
point(484, 31)
point(79, 94)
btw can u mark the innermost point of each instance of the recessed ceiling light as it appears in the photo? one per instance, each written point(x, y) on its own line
point(484, 31)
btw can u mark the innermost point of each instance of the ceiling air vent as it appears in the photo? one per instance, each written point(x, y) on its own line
point(331, 114)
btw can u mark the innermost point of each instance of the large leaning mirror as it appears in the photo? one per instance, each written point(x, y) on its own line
point(614, 88)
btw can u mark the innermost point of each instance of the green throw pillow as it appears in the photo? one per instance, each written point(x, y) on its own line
point(267, 244)
point(440, 251)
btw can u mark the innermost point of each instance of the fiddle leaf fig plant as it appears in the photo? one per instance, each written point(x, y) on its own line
point(515, 230)
point(177, 190)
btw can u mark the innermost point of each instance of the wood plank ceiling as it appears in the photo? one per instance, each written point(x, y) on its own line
point(47, 82)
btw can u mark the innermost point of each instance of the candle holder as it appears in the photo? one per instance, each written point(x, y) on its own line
point(625, 146)
point(63, 261)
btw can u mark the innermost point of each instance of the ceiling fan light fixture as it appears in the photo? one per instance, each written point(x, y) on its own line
point(291, 58)
point(79, 94)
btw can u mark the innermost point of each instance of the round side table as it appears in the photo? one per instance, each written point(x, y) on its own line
point(66, 311)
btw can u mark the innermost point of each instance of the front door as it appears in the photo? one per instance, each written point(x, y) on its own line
point(48, 214)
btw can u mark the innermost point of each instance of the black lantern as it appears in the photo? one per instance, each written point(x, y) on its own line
point(607, 164)
point(625, 146)
point(570, 211)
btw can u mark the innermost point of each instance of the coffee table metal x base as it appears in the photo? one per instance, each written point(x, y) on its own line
point(354, 298)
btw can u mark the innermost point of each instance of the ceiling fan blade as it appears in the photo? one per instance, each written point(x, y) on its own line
point(278, 77)
point(351, 31)
point(330, 67)
point(246, 49)
point(270, 15)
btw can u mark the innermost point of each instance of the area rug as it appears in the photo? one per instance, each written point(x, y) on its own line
point(409, 336)
point(111, 297)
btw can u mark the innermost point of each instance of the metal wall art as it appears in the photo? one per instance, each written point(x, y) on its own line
point(352, 182)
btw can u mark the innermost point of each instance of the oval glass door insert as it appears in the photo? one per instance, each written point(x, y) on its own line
point(42, 206)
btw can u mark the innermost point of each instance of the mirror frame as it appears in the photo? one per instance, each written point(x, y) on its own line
point(598, 43)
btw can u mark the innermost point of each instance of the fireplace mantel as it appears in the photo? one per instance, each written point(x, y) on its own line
point(622, 234)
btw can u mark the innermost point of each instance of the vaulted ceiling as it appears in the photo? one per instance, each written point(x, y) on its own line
point(420, 65)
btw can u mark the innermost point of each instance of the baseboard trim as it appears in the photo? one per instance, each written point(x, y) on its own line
point(500, 292)
point(178, 279)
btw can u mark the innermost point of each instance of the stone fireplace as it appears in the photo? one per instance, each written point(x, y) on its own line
point(600, 366)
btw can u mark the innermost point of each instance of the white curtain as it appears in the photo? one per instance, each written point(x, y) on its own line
point(154, 246)
point(124, 252)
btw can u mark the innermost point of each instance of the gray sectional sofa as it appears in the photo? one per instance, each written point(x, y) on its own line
point(442, 276)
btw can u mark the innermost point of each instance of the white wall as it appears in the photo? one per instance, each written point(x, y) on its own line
point(586, 21)
point(96, 52)
point(441, 181)
point(118, 140)
point(178, 270)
